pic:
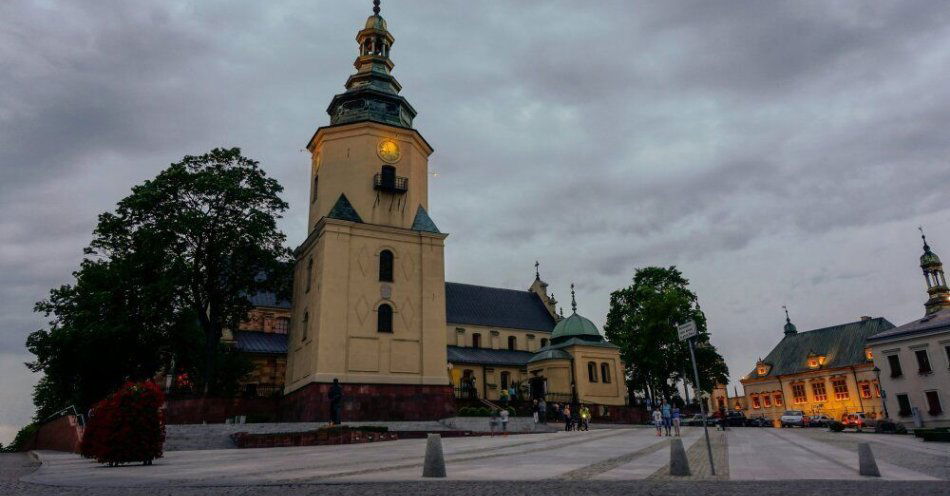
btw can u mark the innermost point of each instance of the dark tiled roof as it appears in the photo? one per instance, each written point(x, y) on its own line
point(265, 299)
point(458, 354)
point(934, 322)
point(260, 342)
point(343, 210)
point(423, 222)
point(842, 345)
point(495, 307)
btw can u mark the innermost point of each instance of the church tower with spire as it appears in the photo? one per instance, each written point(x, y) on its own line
point(369, 284)
point(937, 290)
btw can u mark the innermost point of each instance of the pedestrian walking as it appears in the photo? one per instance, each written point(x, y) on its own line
point(676, 420)
point(543, 411)
point(504, 398)
point(493, 421)
point(567, 418)
point(658, 421)
point(504, 422)
point(666, 412)
point(534, 410)
point(336, 401)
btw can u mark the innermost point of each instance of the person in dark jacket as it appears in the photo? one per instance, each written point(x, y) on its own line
point(336, 401)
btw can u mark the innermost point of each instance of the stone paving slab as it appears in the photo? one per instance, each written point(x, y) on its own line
point(648, 463)
point(769, 454)
point(602, 455)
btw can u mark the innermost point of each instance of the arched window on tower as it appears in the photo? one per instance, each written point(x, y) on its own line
point(592, 371)
point(386, 266)
point(309, 274)
point(384, 318)
point(313, 193)
point(512, 343)
point(476, 340)
point(304, 325)
point(605, 373)
point(544, 342)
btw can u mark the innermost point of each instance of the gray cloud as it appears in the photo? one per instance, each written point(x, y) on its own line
point(776, 152)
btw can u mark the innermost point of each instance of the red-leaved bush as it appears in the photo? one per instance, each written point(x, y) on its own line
point(127, 426)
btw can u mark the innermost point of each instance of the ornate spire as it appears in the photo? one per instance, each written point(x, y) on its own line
point(573, 299)
point(372, 94)
point(789, 326)
point(537, 270)
point(937, 290)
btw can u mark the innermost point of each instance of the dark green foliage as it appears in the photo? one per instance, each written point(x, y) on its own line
point(165, 273)
point(836, 426)
point(23, 436)
point(642, 322)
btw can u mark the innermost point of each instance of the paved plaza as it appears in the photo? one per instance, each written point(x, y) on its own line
point(598, 458)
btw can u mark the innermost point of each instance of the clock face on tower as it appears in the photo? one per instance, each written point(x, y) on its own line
point(388, 150)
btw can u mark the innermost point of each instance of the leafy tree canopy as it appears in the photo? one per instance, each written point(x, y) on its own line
point(165, 273)
point(642, 321)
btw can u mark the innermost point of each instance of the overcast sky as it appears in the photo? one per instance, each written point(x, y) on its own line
point(776, 152)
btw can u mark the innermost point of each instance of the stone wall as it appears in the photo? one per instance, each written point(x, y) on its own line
point(60, 434)
point(216, 410)
point(370, 402)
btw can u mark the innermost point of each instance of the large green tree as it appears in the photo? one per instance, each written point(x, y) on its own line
point(164, 275)
point(642, 321)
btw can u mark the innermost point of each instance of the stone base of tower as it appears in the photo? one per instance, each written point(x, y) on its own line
point(367, 402)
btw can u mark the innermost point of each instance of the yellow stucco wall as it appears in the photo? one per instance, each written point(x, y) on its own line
point(494, 338)
point(340, 339)
point(831, 406)
point(558, 375)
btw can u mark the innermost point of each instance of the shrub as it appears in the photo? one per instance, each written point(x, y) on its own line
point(836, 426)
point(126, 426)
point(484, 411)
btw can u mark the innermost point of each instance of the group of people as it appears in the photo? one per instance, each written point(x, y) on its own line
point(666, 417)
point(575, 419)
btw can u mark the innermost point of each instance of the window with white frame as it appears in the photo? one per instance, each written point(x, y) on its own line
point(840, 387)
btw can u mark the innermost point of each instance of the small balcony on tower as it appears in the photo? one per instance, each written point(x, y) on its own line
point(387, 181)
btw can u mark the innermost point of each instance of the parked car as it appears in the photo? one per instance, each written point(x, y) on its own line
point(698, 420)
point(792, 418)
point(735, 419)
point(758, 421)
point(858, 421)
point(819, 421)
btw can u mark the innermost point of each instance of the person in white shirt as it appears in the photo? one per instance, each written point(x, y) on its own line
point(658, 421)
point(504, 422)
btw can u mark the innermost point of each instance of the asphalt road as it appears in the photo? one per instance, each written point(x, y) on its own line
point(13, 466)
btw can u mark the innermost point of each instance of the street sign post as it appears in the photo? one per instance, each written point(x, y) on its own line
point(687, 331)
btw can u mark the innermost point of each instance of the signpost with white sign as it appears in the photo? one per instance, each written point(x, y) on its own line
point(687, 331)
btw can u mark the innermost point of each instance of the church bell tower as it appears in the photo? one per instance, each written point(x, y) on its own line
point(369, 283)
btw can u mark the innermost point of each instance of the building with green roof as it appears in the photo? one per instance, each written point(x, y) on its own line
point(821, 371)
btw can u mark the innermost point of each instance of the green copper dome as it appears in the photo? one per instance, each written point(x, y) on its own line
point(575, 325)
point(790, 328)
point(929, 258)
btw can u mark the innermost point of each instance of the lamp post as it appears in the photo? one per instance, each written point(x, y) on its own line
point(877, 372)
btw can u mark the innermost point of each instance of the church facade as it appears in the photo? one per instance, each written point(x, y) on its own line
point(370, 304)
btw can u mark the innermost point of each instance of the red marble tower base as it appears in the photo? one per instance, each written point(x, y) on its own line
point(370, 402)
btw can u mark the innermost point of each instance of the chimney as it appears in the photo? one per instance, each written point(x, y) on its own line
point(865, 317)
